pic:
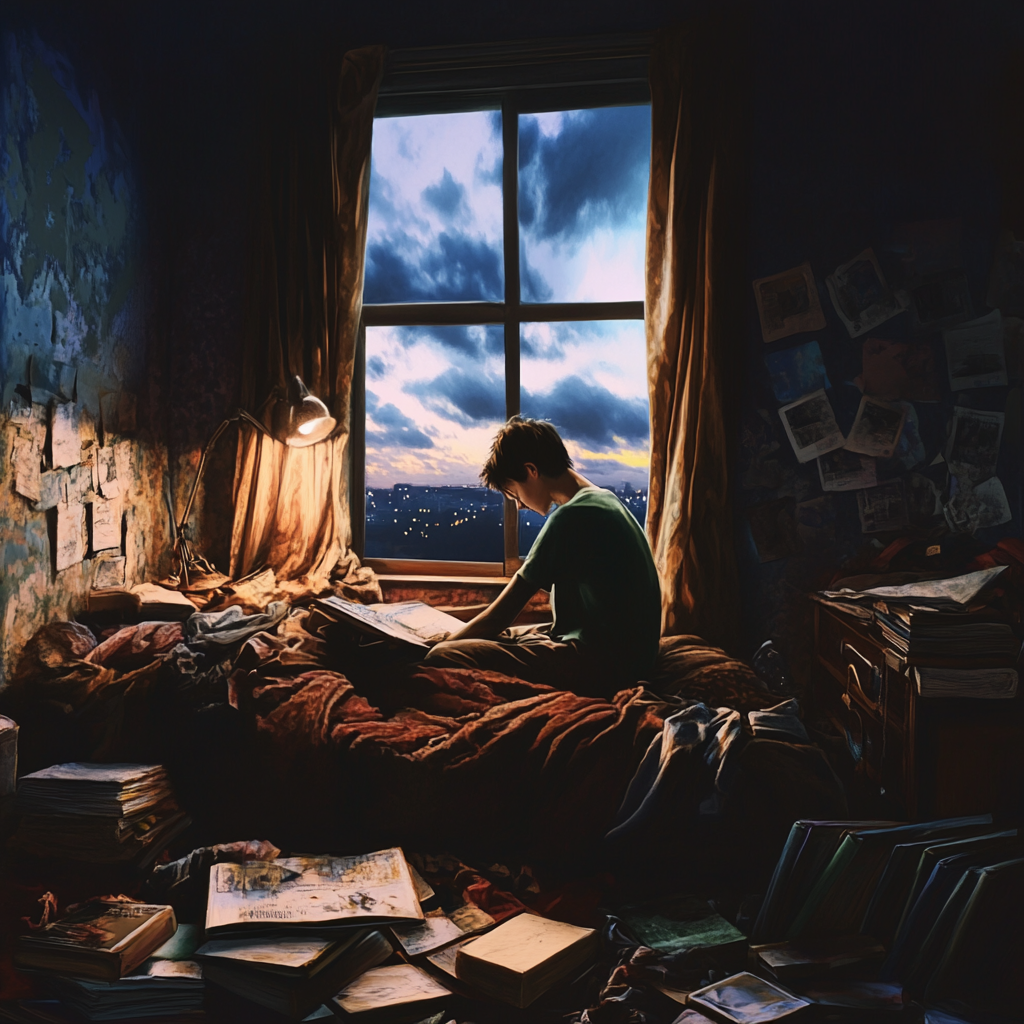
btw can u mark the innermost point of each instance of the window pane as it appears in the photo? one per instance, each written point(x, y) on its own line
point(434, 228)
point(590, 380)
point(583, 204)
point(435, 397)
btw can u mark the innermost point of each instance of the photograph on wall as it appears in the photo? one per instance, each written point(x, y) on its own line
point(811, 426)
point(773, 526)
point(882, 508)
point(796, 371)
point(788, 303)
point(846, 471)
point(877, 428)
point(899, 369)
point(974, 438)
point(939, 301)
point(978, 506)
point(860, 295)
point(974, 353)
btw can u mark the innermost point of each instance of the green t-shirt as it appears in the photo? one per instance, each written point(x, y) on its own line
point(594, 558)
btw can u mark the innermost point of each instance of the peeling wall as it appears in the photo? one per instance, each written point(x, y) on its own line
point(72, 348)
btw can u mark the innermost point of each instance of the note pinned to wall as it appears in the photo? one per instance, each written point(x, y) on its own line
point(106, 472)
point(65, 442)
point(109, 572)
point(70, 541)
point(106, 524)
point(52, 489)
point(26, 457)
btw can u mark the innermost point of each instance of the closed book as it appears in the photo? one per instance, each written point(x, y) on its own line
point(104, 939)
point(837, 903)
point(972, 683)
point(745, 998)
point(522, 958)
point(103, 790)
point(397, 994)
point(809, 848)
point(943, 880)
point(159, 988)
point(683, 922)
point(792, 960)
point(291, 975)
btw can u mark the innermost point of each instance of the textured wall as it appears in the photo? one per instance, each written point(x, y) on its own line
point(71, 337)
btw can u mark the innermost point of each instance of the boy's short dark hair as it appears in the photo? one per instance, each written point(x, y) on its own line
point(521, 441)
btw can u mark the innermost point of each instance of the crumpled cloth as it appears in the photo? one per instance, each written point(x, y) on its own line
point(134, 646)
point(231, 625)
point(711, 734)
point(781, 722)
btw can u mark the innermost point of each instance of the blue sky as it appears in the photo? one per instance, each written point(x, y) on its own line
point(435, 396)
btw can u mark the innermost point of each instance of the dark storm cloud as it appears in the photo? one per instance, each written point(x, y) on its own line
point(397, 429)
point(590, 174)
point(448, 197)
point(473, 342)
point(464, 398)
point(589, 413)
point(586, 413)
point(376, 368)
point(454, 268)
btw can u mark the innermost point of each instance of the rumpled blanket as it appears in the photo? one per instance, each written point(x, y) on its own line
point(263, 729)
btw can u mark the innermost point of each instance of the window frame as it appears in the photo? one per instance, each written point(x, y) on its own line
point(518, 78)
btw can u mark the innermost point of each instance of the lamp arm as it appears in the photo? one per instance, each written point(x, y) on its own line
point(181, 545)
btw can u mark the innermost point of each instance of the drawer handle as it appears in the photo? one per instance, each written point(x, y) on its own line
point(849, 652)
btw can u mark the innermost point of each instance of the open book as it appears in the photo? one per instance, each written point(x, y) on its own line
point(311, 892)
point(411, 622)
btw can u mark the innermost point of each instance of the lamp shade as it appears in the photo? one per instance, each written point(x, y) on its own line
point(301, 419)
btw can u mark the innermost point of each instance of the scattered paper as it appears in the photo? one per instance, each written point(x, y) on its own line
point(797, 371)
point(978, 508)
point(106, 524)
point(445, 959)
point(65, 441)
point(79, 484)
point(470, 918)
point(788, 303)
point(123, 459)
point(811, 426)
point(846, 471)
point(437, 930)
point(860, 295)
point(773, 526)
point(26, 458)
point(974, 353)
point(882, 508)
point(70, 543)
point(877, 428)
point(389, 986)
point(974, 443)
point(899, 369)
point(109, 573)
point(956, 590)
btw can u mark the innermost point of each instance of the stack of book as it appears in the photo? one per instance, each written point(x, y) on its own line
point(101, 813)
point(952, 631)
point(870, 915)
point(290, 934)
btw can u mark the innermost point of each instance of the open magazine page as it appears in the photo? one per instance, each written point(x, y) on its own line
point(426, 622)
point(370, 888)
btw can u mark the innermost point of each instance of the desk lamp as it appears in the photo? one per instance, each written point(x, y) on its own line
point(298, 420)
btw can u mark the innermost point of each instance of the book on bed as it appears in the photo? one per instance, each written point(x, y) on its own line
point(405, 623)
point(306, 893)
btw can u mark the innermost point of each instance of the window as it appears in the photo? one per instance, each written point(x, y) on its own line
point(504, 274)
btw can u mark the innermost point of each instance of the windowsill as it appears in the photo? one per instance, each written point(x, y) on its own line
point(405, 579)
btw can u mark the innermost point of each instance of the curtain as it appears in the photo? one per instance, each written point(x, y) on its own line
point(695, 309)
point(305, 288)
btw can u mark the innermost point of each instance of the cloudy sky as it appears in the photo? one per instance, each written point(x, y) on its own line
point(435, 395)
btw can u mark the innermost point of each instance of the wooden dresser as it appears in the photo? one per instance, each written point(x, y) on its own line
point(915, 757)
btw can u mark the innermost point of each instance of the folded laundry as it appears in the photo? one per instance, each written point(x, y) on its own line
point(781, 722)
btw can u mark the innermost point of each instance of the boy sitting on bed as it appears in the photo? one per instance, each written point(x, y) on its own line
point(594, 559)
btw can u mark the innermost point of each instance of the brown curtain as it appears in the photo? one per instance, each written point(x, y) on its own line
point(695, 306)
point(305, 297)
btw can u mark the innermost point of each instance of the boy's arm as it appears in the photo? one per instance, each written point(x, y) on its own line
point(500, 613)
